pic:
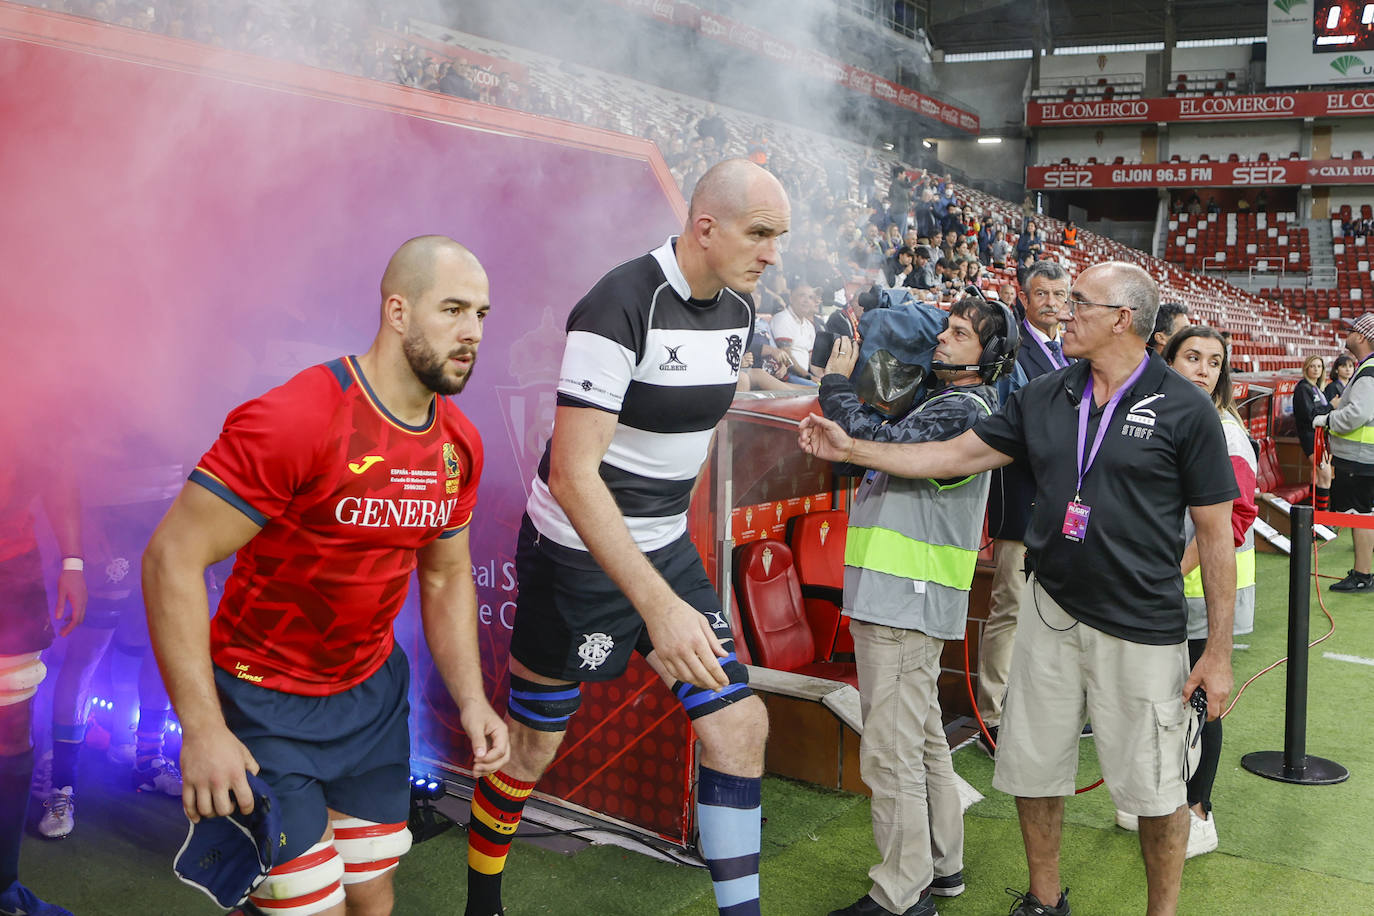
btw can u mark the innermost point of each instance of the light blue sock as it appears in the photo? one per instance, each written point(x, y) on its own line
point(729, 823)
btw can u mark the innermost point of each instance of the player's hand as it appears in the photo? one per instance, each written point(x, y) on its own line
point(71, 594)
point(213, 763)
point(823, 438)
point(686, 648)
point(1212, 674)
point(487, 732)
point(843, 356)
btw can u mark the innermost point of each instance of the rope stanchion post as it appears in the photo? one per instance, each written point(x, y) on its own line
point(1293, 763)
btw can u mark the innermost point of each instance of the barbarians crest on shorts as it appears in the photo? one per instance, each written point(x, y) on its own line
point(595, 649)
point(734, 351)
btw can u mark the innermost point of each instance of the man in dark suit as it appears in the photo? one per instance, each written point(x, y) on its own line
point(1045, 292)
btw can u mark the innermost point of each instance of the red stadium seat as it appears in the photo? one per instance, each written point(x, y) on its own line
point(817, 541)
point(775, 624)
point(1269, 477)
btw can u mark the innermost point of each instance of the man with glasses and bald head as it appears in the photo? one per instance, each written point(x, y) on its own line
point(1119, 447)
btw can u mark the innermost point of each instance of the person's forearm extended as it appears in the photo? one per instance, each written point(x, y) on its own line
point(448, 608)
point(179, 627)
point(936, 460)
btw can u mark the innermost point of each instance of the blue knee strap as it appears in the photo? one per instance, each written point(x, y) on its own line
point(542, 707)
point(698, 701)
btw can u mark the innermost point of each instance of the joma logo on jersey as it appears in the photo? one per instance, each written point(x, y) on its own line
point(674, 363)
point(357, 467)
point(371, 512)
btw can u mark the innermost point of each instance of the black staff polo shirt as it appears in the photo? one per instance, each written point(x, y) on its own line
point(1165, 452)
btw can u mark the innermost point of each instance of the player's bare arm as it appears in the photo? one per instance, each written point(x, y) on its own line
point(684, 646)
point(62, 505)
point(1217, 555)
point(199, 529)
point(958, 457)
point(448, 607)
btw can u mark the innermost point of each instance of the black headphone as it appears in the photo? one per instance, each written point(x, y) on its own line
point(998, 358)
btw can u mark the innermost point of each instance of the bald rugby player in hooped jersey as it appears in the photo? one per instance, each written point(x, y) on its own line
point(332, 488)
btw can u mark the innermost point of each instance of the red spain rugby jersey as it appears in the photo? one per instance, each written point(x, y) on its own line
point(345, 494)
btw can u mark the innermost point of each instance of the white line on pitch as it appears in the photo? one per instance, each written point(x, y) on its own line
point(1336, 656)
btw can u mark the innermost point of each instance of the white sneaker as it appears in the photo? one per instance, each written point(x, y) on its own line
point(41, 785)
point(60, 818)
point(1202, 835)
point(1127, 821)
point(161, 775)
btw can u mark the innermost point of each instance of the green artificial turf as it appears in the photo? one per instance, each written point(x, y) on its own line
point(1285, 849)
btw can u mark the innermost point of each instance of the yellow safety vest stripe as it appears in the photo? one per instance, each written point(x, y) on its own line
point(891, 552)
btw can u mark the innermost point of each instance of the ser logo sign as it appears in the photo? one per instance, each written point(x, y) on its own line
point(1069, 178)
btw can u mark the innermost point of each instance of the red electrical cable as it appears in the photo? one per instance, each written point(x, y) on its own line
point(983, 726)
point(1318, 454)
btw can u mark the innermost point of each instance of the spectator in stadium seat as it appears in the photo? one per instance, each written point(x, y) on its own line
point(1213, 207)
point(927, 226)
point(947, 246)
point(1171, 318)
point(1007, 293)
point(1243, 205)
point(986, 236)
point(1341, 371)
point(867, 250)
point(713, 125)
point(1351, 429)
point(894, 240)
point(1108, 639)
point(1030, 242)
point(1012, 492)
point(954, 222)
point(1070, 236)
point(794, 329)
point(1262, 201)
point(903, 271)
point(1194, 206)
point(1001, 250)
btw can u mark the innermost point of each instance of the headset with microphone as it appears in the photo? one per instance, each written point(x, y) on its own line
point(998, 358)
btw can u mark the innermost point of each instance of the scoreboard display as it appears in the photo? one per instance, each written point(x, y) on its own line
point(1344, 25)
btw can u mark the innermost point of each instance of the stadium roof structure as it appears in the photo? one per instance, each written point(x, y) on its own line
point(963, 26)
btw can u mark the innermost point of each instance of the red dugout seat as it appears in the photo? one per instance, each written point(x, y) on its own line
point(775, 623)
point(817, 542)
point(1269, 477)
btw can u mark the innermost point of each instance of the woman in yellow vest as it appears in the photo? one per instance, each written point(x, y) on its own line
point(1198, 353)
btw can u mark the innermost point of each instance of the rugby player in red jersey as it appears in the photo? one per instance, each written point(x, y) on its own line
point(332, 488)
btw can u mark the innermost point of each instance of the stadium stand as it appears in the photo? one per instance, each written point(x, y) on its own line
point(837, 185)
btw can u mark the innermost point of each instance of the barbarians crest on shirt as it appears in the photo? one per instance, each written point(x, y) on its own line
point(595, 649)
point(734, 351)
point(452, 468)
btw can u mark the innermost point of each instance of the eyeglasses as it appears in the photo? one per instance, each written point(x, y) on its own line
point(1073, 304)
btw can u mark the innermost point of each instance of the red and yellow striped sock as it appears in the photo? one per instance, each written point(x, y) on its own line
point(497, 802)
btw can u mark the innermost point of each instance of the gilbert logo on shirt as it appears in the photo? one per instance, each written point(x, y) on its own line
point(674, 363)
